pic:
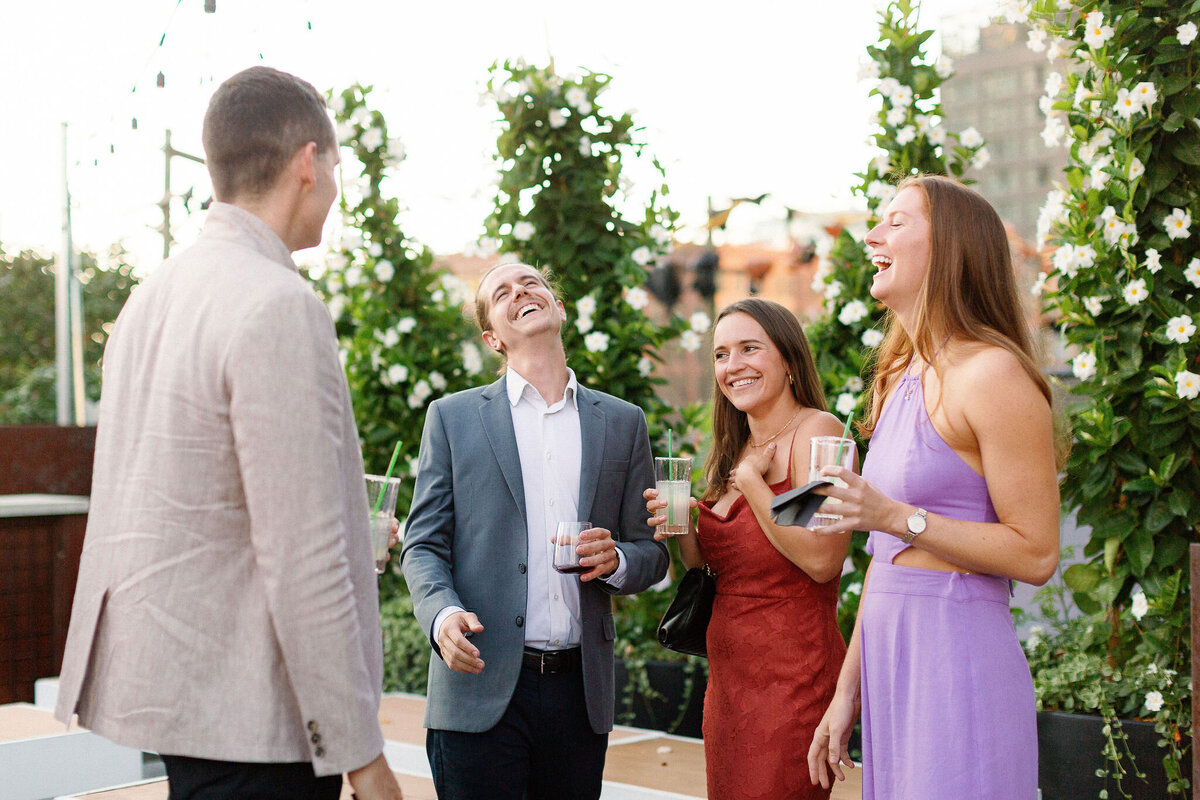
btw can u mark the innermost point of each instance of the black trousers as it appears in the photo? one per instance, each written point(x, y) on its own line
point(204, 779)
point(543, 748)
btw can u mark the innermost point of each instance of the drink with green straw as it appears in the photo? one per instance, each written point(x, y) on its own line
point(829, 451)
point(673, 480)
point(382, 492)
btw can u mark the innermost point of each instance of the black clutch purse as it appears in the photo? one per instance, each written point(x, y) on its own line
point(684, 625)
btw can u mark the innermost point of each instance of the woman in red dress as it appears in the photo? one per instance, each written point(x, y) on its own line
point(774, 648)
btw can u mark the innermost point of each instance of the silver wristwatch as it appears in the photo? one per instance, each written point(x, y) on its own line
point(916, 526)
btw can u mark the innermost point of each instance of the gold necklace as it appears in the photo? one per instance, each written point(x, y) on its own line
point(775, 435)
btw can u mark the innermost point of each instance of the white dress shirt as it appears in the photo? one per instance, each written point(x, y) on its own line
point(549, 444)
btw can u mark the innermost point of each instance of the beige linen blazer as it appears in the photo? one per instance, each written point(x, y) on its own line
point(227, 605)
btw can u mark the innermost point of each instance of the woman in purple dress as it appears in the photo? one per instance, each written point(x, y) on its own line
point(960, 494)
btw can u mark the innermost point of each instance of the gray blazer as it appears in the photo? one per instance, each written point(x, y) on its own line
point(466, 543)
point(227, 606)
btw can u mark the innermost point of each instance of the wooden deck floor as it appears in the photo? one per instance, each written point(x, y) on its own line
point(640, 763)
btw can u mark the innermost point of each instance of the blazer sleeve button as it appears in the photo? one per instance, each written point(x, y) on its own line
point(520, 622)
point(521, 568)
point(315, 738)
point(319, 752)
point(312, 725)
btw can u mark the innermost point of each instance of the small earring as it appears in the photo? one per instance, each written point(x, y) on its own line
point(789, 377)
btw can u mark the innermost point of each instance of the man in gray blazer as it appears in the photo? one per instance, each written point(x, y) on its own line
point(226, 614)
point(521, 700)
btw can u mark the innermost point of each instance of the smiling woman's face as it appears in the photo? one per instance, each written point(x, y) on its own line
point(900, 250)
point(749, 368)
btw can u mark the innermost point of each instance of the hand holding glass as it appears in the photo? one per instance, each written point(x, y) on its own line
point(673, 479)
point(828, 451)
point(566, 543)
point(381, 500)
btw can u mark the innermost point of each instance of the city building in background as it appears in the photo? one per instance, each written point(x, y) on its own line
point(995, 88)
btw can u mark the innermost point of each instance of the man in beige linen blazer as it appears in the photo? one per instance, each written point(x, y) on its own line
point(226, 613)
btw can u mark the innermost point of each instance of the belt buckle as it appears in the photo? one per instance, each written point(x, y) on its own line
point(542, 662)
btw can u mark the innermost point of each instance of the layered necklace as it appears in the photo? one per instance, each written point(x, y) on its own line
point(775, 435)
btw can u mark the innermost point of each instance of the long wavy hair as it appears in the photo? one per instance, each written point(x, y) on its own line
point(731, 431)
point(969, 292)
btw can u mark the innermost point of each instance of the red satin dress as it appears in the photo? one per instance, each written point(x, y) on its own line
point(774, 652)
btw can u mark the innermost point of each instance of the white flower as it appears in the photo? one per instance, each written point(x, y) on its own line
point(936, 136)
point(523, 231)
point(1153, 261)
point(395, 152)
point(982, 157)
point(883, 192)
point(1085, 256)
point(852, 312)
point(1037, 40)
point(637, 298)
point(472, 361)
point(1152, 669)
point(660, 235)
point(1053, 84)
point(1135, 292)
point(1054, 50)
point(372, 138)
point(596, 342)
point(456, 290)
point(1094, 305)
point(1053, 132)
point(1082, 95)
point(888, 86)
point(699, 322)
point(833, 289)
point(1096, 33)
point(1187, 384)
point(1180, 329)
point(645, 366)
point(1084, 365)
point(970, 138)
point(437, 381)
point(854, 384)
point(585, 146)
point(437, 296)
point(390, 338)
point(854, 588)
point(1127, 104)
point(1154, 700)
point(384, 270)
point(337, 104)
point(1039, 285)
point(906, 135)
point(336, 305)
point(352, 276)
point(903, 96)
point(397, 373)
point(868, 70)
point(406, 325)
point(374, 249)
point(1017, 11)
point(1192, 273)
point(1146, 94)
point(557, 118)
point(361, 116)
point(944, 67)
point(420, 394)
point(846, 403)
point(882, 163)
point(576, 96)
point(1186, 33)
point(896, 116)
point(1065, 260)
point(585, 306)
point(872, 338)
point(642, 256)
point(689, 341)
point(584, 323)
point(1099, 175)
point(1136, 168)
point(1177, 223)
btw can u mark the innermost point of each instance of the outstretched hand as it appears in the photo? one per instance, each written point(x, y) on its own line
point(863, 507)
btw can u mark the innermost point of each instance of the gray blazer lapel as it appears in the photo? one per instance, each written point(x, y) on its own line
point(591, 430)
point(495, 414)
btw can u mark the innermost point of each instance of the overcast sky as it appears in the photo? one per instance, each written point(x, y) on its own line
point(737, 98)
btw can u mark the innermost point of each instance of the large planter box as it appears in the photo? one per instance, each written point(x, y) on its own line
point(675, 711)
point(1070, 751)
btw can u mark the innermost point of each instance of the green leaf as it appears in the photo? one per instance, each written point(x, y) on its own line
point(1174, 83)
point(1158, 516)
point(1180, 502)
point(1082, 578)
point(1112, 547)
point(1188, 152)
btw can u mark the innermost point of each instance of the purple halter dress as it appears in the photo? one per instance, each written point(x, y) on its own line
point(947, 698)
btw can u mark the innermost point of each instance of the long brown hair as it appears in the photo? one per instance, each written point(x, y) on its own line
point(969, 291)
point(731, 431)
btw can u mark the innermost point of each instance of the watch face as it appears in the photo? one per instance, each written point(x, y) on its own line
point(916, 523)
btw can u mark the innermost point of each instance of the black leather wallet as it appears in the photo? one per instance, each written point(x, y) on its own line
point(796, 507)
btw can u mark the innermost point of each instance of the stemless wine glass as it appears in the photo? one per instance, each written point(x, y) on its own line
point(566, 543)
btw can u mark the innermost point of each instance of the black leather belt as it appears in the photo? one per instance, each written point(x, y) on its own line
point(551, 662)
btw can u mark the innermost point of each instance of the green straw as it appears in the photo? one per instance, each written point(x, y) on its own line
point(837, 459)
point(388, 474)
point(670, 473)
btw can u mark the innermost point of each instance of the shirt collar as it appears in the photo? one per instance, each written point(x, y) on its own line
point(228, 221)
point(516, 385)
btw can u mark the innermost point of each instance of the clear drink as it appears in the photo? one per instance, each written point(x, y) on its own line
point(677, 494)
point(828, 451)
point(381, 531)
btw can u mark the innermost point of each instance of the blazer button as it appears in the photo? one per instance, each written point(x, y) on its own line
point(315, 738)
point(521, 568)
point(319, 752)
point(520, 622)
point(312, 725)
